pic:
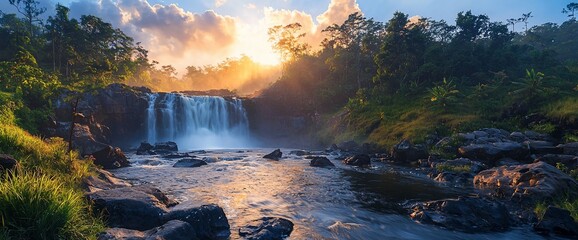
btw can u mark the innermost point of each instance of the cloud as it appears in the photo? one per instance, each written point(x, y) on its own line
point(219, 3)
point(171, 34)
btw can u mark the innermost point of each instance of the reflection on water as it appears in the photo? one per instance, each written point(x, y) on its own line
point(323, 203)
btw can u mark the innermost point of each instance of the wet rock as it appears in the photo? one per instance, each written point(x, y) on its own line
point(104, 180)
point(299, 153)
point(172, 230)
point(189, 163)
point(569, 148)
point(557, 221)
point(406, 152)
point(210, 159)
point(110, 158)
point(570, 161)
point(208, 221)
point(542, 147)
point(467, 214)
point(518, 137)
point(528, 183)
point(321, 162)
point(145, 148)
point(507, 162)
point(176, 155)
point(458, 178)
point(7, 162)
point(130, 207)
point(275, 155)
point(358, 160)
point(490, 152)
point(166, 147)
point(267, 228)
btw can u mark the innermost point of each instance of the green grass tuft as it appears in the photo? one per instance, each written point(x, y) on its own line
point(35, 206)
point(449, 168)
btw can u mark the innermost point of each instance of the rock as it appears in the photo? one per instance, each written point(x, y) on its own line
point(537, 136)
point(7, 162)
point(518, 137)
point(406, 152)
point(189, 163)
point(569, 148)
point(321, 162)
point(570, 161)
point(130, 207)
point(103, 181)
point(467, 214)
point(208, 221)
point(121, 234)
point(110, 158)
point(542, 147)
point(210, 159)
point(275, 155)
point(358, 160)
point(460, 178)
point(557, 221)
point(176, 155)
point(166, 147)
point(172, 230)
point(529, 182)
point(299, 152)
point(267, 228)
point(490, 152)
point(145, 148)
point(83, 138)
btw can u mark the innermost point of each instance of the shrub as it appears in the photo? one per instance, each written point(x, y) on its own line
point(34, 206)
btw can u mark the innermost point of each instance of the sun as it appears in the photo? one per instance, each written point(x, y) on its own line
point(265, 57)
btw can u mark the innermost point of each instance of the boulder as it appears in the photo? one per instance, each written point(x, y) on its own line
point(358, 160)
point(176, 155)
point(467, 214)
point(208, 221)
point(491, 152)
point(166, 147)
point(321, 162)
point(189, 163)
point(406, 152)
point(7, 162)
point(542, 147)
point(130, 207)
point(459, 178)
point(110, 158)
point(557, 221)
point(569, 148)
point(173, 230)
point(570, 161)
point(348, 146)
point(299, 152)
point(529, 182)
point(275, 155)
point(267, 228)
point(104, 180)
point(145, 148)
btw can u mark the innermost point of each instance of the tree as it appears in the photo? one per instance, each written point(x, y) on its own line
point(571, 9)
point(513, 21)
point(525, 18)
point(30, 9)
point(287, 41)
point(471, 27)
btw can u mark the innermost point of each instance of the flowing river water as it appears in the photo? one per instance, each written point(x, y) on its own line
point(342, 202)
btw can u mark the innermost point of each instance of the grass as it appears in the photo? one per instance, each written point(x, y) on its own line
point(36, 206)
point(564, 110)
point(449, 168)
point(565, 203)
point(42, 199)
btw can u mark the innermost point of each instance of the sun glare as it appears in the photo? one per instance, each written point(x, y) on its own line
point(265, 57)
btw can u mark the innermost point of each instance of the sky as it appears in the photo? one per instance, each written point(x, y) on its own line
point(202, 32)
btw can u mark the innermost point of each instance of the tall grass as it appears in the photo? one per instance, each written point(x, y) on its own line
point(565, 203)
point(35, 206)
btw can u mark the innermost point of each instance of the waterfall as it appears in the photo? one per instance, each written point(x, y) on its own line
point(197, 122)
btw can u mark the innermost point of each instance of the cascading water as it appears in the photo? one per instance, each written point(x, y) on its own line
point(197, 122)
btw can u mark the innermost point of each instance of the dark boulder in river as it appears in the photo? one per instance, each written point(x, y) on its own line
point(321, 162)
point(189, 163)
point(467, 214)
point(275, 155)
point(358, 160)
point(557, 221)
point(145, 148)
point(166, 147)
point(406, 152)
point(208, 221)
point(173, 230)
point(267, 228)
point(110, 158)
